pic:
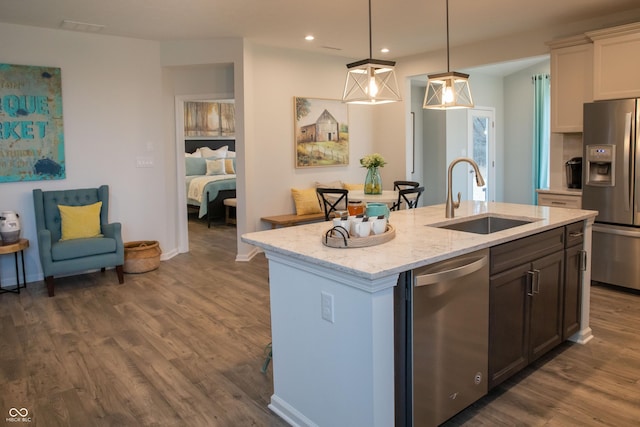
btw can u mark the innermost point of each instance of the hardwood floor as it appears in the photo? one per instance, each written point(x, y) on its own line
point(183, 345)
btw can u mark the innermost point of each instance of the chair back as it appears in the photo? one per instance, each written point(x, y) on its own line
point(339, 201)
point(47, 212)
point(401, 185)
point(408, 196)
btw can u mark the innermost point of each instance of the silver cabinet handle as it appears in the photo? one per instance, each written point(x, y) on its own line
point(583, 260)
point(453, 273)
point(576, 234)
point(533, 282)
point(532, 277)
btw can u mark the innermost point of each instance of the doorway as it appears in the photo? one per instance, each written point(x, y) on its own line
point(183, 221)
point(481, 146)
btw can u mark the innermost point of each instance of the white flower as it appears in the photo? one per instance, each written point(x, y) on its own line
point(374, 160)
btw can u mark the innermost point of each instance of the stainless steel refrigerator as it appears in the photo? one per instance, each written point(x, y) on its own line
point(611, 185)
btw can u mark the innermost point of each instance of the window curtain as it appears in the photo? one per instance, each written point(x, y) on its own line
point(541, 132)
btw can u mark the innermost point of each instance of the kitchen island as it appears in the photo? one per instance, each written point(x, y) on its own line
point(332, 310)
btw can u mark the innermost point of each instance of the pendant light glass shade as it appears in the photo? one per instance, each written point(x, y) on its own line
point(371, 81)
point(448, 90)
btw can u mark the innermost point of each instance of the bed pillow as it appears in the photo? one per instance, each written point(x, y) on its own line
point(231, 155)
point(195, 166)
point(194, 154)
point(79, 222)
point(215, 167)
point(230, 166)
point(306, 201)
point(219, 153)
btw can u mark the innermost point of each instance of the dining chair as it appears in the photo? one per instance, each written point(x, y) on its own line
point(401, 185)
point(332, 200)
point(408, 197)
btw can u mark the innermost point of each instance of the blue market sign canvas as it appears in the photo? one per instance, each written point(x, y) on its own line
point(31, 132)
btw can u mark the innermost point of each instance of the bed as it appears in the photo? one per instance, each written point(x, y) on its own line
point(208, 184)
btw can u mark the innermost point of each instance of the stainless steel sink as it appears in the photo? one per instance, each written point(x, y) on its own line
point(485, 224)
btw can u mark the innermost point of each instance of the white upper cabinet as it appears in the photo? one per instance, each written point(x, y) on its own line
point(616, 62)
point(571, 82)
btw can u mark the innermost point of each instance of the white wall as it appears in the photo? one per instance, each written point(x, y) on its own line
point(111, 106)
point(278, 76)
point(518, 146)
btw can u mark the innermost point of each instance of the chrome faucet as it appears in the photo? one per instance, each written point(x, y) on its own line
point(451, 205)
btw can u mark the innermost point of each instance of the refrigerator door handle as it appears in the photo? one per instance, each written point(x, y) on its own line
point(625, 166)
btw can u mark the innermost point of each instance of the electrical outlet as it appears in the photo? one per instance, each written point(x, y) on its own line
point(326, 306)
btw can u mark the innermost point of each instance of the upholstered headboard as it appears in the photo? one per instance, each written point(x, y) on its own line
point(191, 145)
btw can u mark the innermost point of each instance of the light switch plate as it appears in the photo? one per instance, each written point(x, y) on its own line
point(144, 162)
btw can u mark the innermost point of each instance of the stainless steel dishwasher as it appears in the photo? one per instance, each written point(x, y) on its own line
point(442, 329)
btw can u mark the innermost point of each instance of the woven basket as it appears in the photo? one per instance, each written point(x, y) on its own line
point(141, 256)
point(335, 240)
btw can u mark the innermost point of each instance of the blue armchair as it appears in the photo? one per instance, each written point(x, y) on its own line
point(60, 257)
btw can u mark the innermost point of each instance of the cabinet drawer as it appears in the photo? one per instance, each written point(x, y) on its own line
point(560, 201)
point(575, 235)
point(526, 250)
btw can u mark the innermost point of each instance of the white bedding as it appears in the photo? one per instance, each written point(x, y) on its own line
point(197, 184)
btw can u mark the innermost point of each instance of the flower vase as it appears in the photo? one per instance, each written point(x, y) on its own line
point(373, 181)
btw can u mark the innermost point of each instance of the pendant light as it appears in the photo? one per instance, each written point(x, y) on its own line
point(371, 81)
point(448, 90)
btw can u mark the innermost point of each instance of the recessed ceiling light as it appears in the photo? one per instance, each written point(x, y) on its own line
point(384, 50)
point(309, 38)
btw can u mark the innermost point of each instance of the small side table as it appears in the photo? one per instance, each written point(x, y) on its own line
point(15, 248)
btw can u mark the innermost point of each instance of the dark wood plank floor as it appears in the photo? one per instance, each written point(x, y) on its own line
point(183, 345)
point(179, 346)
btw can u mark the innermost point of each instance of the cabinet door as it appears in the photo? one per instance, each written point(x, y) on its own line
point(572, 291)
point(571, 86)
point(508, 323)
point(546, 304)
point(616, 57)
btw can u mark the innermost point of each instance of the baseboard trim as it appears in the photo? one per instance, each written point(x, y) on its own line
point(248, 256)
point(289, 413)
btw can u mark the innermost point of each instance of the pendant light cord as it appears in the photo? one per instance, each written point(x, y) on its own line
point(370, 43)
point(447, 32)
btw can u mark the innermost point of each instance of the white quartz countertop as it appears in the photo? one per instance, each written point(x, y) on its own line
point(416, 243)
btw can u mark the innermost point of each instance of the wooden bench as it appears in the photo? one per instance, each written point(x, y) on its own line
point(228, 204)
point(292, 219)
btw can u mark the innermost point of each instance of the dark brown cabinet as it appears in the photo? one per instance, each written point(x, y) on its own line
point(526, 302)
point(575, 260)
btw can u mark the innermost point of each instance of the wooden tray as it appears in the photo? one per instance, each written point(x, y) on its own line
point(334, 239)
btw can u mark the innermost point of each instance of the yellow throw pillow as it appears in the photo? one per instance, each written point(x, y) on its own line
point(353, 187)
point(80, 222)
point(228, 166)
point(306, 201)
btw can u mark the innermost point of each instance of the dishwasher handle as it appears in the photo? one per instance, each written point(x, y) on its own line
point(452, 273)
